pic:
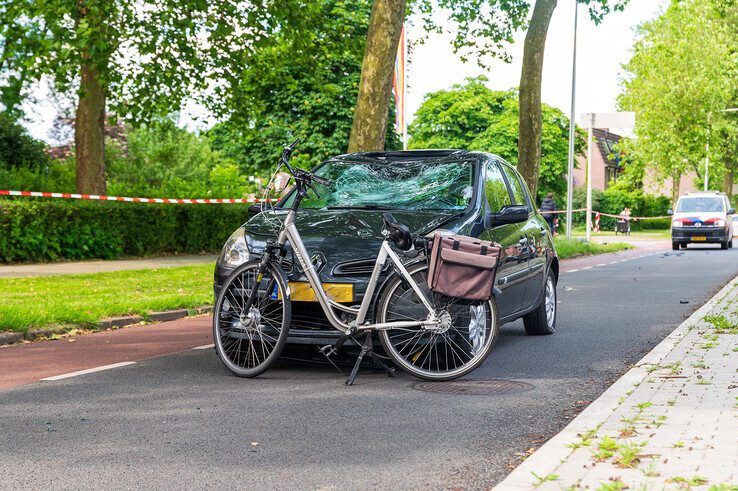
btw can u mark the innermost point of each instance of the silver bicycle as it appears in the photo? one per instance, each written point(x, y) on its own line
point(429, 335)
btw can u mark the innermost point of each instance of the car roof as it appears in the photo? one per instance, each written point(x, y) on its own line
point(407, 155)
point(703, 194)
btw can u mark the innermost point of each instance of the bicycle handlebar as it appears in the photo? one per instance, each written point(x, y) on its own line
point(299, 174)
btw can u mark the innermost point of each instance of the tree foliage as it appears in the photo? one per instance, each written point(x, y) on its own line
point(472, 116)
point(682, 74)
point(149, 54)
point(298, 88)
point(139, 59)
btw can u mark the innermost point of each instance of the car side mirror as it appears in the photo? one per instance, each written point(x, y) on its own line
point(508, 214)
point(669, 211)
point(731, 211)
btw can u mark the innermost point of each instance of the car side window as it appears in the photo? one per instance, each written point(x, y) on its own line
point(516, 185)
point(495, 188)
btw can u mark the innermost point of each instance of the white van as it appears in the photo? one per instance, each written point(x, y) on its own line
point(702, 218)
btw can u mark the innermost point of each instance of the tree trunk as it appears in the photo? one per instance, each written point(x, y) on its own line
point(89, 133)
point(375, 87)
point(89, 120)
point(728, 181)
point(530, 124)
point(676, 180)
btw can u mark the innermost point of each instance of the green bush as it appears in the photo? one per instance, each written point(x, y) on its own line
point(48, 230)
point(614, 199)
point(18, 149)
point(166, 161)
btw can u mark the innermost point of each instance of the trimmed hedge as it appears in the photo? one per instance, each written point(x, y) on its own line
point(614, 200)
point(48, 230)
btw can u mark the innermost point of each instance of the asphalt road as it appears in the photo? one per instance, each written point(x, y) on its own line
point(182, 421)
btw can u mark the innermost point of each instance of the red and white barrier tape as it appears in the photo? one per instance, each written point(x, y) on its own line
point(579, 210)
point(176, 201)
point(212, 201)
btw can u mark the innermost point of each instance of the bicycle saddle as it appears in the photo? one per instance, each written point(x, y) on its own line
point(399, 234)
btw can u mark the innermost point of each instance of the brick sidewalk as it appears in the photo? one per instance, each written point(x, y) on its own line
point(671, 422)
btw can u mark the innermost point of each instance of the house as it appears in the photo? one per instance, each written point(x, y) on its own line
point(605, 161)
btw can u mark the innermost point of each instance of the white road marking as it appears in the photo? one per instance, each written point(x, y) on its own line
point(89, 370)
point(588, 267)
point(207, 346)
point(571, 271)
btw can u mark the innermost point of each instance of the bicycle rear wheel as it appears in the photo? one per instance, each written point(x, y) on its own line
point(463, 341)
point(248, 343)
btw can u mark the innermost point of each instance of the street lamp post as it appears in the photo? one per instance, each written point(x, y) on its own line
point(572, 130)
point(707, 143)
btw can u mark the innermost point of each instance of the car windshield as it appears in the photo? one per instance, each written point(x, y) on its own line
point(701, 204)
point(409, 185)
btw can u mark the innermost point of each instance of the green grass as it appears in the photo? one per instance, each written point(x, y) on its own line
point(646, 234)
point(572, 247)
point(84, 300)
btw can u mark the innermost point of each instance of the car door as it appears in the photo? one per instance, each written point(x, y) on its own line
point(513, 269)
point(535, 232)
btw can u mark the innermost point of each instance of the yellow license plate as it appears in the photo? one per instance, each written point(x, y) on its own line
point(699, 239)
point(301, 291)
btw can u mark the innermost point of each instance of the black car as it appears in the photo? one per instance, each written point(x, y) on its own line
point(430, 191)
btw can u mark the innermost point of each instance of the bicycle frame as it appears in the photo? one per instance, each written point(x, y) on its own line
point(289, 232)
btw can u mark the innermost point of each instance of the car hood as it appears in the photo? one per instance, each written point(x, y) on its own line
point(700, 217)
point(357, 224)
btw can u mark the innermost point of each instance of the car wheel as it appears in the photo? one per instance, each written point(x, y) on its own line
point(730, 244)
point(675, 246)
point(724, 245)
point(683, 246)
point(543, 319)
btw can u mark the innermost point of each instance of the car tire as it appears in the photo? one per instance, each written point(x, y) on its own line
point(541, 321)
point(675, 246)
point(683, 246)
point(730, 244)
point(724, 245)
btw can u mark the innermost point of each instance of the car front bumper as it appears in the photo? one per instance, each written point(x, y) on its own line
point(692, 235)
point(309, 325)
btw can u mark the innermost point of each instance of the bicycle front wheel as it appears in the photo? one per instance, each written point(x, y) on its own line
point(248, 341)
point(462, 341)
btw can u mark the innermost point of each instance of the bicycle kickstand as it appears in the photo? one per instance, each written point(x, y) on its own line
point(367, 348)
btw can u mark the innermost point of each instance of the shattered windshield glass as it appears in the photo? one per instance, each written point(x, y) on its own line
point(412, 185)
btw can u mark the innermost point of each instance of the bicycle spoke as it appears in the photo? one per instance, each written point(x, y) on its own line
point(248, 340)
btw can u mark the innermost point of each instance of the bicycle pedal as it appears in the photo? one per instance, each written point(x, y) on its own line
point(328, 350)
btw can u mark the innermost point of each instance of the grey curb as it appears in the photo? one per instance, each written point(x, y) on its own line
point(10, 337)
point(119, 321)
point(37, 333)
point(550, 456)
point(167, 315)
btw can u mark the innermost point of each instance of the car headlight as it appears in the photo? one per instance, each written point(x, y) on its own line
point(235, 251)
point(676, 223)
point(720, 223)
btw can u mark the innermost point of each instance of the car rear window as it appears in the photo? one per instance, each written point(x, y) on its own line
point(701, 204)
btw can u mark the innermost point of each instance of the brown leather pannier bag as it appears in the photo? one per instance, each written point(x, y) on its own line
point(463, 267)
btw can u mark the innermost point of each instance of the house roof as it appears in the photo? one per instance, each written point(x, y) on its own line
point(606, 146)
